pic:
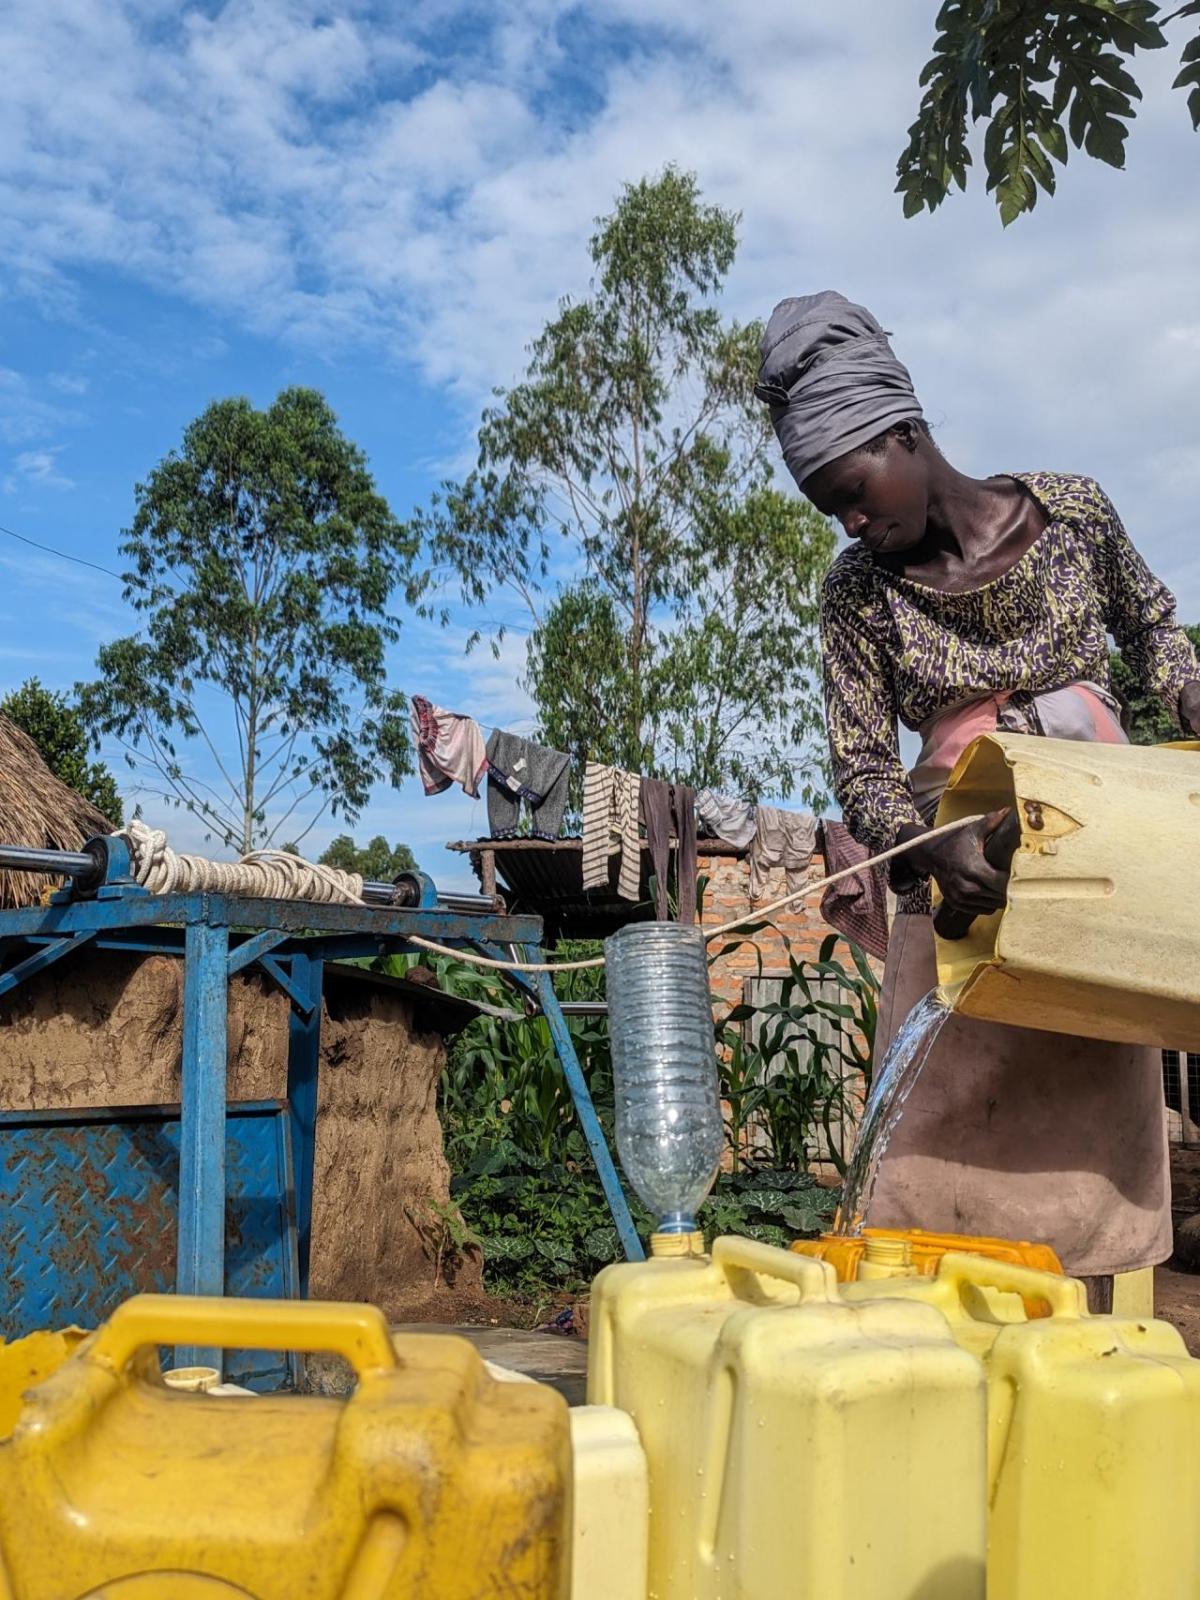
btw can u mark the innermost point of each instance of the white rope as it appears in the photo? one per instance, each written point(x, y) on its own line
point(755, 915)
point(278, 875)
point(262, 875)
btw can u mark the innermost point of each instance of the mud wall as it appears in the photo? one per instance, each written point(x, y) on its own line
point(105, 1029)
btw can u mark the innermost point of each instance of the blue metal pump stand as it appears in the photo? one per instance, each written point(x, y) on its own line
point(105, 908)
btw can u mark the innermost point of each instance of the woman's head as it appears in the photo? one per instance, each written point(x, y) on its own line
point(880, 491)
point(847, 419)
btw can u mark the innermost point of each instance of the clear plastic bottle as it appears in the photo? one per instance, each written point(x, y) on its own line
point(669, 1128)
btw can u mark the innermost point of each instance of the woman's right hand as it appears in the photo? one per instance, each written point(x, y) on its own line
point(962, 872)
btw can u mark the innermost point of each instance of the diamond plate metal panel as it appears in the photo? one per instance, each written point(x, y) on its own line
point(89, 1211)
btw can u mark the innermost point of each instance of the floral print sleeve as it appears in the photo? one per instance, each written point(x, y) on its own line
point(869, 778)
point(1140, 613)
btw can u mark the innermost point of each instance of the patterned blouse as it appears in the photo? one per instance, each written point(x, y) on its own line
point(895, 648)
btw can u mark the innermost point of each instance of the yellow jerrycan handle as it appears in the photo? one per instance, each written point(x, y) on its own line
point(358, 1333)
point(816, 1280)
point(1065, 1297)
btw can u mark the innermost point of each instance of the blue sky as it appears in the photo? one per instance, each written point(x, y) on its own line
point(387, 202)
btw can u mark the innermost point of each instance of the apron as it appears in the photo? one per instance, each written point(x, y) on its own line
point(1012, 1132)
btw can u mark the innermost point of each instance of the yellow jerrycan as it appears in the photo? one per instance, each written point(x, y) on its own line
point(797, 1446)
point(1093, 1435)
point(431, 1480)
point(1099, 937)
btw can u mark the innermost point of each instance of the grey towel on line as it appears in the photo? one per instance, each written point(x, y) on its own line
point(547, 773)
point(726, 818)
point(667, 808)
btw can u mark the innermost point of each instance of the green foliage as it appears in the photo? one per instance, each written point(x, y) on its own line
point(633, 456)
point(806, 1067)
point(263, 562)
point(378, 862)
point(1147, 719)
point(56, 727)
point(524, 1180)
point(1037, 74)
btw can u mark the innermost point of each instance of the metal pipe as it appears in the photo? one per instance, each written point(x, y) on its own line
point(58, 863)
point(384, 894)
point(81, 864)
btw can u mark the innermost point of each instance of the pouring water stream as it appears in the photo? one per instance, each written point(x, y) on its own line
point(893, 1084)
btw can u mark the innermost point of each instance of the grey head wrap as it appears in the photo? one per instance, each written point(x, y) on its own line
point(830, 379)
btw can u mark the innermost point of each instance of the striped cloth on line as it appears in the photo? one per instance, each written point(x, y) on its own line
point(610, 807)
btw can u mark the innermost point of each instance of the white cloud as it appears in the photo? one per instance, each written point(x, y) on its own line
point(422, 180)
point(68, 383)
point(40, 467)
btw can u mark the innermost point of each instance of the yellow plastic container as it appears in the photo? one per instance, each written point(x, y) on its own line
point(845, 1252)
point(610, 1528)
point(1093, 1435)
point(1099, 937)
point(430, 1481)
point(797, 1445)
point(25, 1362)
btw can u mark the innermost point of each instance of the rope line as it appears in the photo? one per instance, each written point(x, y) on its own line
point(278, 875)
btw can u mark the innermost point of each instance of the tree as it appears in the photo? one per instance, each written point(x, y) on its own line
point(263, 563)
point(57, 728)
point(1147, 720)
point(1037, 74)
point(379, 862)
point(624, 496)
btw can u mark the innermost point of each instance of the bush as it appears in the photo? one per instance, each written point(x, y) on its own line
point(524, 1180)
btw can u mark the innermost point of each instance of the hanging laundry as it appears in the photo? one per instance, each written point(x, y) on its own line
point(610, 807)
point(523, 773)
point(667, 808)
point(726, 818)
point(784, 839)
point(449, 748)
point(856, 907)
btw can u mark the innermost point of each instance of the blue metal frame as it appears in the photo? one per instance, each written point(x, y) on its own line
point(291, 941)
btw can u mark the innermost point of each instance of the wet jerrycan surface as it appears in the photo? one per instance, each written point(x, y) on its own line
point(797, 1446)
point(430, 1481)
point(1093, 1435)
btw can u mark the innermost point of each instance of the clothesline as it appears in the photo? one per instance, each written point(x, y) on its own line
point(709, 933)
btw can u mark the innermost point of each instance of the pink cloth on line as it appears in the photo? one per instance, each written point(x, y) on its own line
point(450, 748)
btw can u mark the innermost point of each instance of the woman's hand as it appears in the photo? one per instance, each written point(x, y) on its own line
point(1189, 708)
point(957, 864)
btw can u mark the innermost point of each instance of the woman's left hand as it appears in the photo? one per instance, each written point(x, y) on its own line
point(1189, 707)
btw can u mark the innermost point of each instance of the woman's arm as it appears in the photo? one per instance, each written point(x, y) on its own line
point(1140, 615)
point(868, 775)
point(869, 779)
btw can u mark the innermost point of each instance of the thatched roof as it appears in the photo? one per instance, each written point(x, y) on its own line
point(38, 810)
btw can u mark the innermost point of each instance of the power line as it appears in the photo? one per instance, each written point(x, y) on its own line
point(62, 554)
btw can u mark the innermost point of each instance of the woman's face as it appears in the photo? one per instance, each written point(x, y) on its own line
point(881, 499)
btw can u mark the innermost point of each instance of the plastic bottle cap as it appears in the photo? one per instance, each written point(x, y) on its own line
point(195, 1380)
point(663, 1245)
point(888, 1252)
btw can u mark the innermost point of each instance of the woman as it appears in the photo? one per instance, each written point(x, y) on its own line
point(963, 605)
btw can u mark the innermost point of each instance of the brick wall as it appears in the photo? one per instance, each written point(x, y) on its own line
point(728, 895)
